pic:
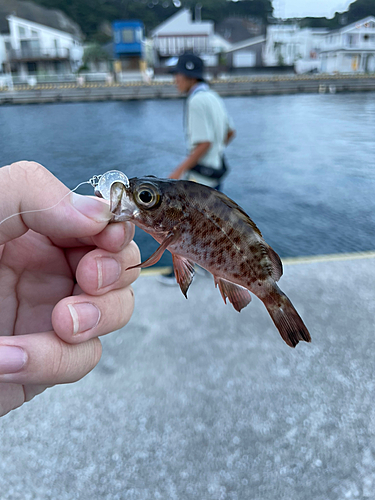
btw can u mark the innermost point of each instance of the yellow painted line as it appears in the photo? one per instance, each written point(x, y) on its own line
point(156, 271)
point(336, 257)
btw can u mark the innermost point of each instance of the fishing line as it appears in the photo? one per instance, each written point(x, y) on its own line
point(93, 182)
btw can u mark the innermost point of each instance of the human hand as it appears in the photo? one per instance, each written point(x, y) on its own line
point(62, 282)
point(175, 174)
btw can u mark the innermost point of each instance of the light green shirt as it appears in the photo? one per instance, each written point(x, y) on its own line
point(206, 120)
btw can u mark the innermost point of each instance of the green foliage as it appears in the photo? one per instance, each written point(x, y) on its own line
point(94, 53)
point(89, 14)
point(357, 10)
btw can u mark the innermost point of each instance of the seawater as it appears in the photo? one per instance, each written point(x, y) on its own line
point(302, 166)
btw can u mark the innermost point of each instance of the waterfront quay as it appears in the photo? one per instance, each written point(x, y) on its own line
point(241, 86)
point(194, 400)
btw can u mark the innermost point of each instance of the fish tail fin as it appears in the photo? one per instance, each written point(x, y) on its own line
point(287, 320)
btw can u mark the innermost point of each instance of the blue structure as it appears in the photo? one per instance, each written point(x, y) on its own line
point(128, 37)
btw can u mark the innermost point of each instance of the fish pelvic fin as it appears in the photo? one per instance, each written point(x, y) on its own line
point(156, 256)
point(238, 296)
point(184, 271)
point(287, 320)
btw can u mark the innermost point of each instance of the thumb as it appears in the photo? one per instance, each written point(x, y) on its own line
point(27, 186)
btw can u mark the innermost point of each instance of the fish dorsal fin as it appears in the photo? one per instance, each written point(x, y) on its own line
point(238, 296)
point(184, 271)
point(240, 211)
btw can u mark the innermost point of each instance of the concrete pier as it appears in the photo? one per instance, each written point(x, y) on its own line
point(195, 401)
point(71, 92)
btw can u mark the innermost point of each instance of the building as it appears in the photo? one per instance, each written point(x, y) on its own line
point(234, 43)
point(37, 42)
point(128, 45)
point(180, 33)
point(245, 38)
point(288, 43)
point(350, 49)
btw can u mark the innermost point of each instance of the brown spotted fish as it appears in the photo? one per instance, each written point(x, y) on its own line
point(200, 225)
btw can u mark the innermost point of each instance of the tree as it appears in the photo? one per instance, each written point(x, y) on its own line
point(357, 10)
point(89, 14)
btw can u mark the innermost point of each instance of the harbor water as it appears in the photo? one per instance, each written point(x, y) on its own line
point(302, 166)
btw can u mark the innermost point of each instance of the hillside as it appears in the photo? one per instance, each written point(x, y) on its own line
point(91, 14)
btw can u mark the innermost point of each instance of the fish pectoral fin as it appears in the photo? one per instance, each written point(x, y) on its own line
point(277, 266)
point(156, 256)
point(184, 271)
point(238, 296)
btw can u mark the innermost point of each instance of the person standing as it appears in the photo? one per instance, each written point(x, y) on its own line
point(208, 130)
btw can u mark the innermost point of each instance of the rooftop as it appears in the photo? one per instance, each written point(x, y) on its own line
point(32, 12)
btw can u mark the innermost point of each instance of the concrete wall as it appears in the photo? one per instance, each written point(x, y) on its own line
point(134, 91)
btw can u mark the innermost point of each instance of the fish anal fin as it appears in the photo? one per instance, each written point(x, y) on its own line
point(277, 267)
point(156, 256)
point(238, 296)
point(184, 271)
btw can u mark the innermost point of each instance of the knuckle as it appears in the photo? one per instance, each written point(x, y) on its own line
point(72, 362)
point(59, 360)
point(26, 169)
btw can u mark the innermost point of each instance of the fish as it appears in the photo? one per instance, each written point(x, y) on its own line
point(200, 225)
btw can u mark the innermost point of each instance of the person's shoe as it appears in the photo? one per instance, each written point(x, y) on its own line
point(167, 279)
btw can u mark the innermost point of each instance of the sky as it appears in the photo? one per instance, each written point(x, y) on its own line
point(313, 8)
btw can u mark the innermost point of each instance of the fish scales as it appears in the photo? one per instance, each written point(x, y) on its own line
point(219, 240)
point(200, 225)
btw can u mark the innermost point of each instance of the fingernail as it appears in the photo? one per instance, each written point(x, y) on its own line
point(108, 271)
point(85, 316)
point(91, 207)
point(12, 359)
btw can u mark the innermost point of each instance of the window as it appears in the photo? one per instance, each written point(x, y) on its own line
point(34, 33)
point(353, 40)
point(31, 68)
point(21, 31)
point(138, 34)
point(127, 35)
point(202, 44)
point(117, 37)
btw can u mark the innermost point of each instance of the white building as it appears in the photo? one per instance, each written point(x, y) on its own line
point(180, 33)
point(288, 43)
point(350, 49)
point(42, 44)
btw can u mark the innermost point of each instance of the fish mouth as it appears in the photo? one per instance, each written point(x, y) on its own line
point(121, 205)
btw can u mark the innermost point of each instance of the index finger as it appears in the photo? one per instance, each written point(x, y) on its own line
point(27, 189)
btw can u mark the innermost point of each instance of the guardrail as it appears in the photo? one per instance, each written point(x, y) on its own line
point(32, 54)
point(72, 92)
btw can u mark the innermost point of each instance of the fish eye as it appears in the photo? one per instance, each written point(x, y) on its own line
point(147, 196)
